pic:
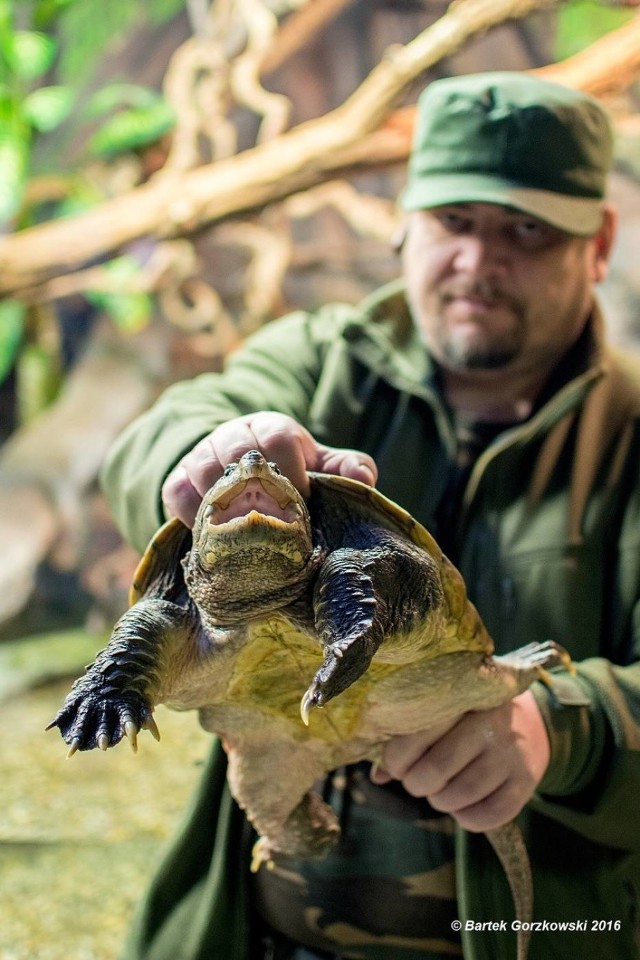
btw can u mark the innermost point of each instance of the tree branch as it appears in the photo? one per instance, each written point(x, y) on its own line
point(608, 66)
point(299, 28)
point(174, 205)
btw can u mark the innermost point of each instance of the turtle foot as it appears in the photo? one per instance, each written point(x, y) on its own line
point(534, 661)
point(343, 664)
point(310, 831)
point(537, 658)
point(87, 720)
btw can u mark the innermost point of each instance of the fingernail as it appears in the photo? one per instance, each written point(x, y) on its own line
point(379, 775)
point(361, 470)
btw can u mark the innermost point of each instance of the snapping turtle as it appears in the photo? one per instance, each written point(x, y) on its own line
point(275, 606)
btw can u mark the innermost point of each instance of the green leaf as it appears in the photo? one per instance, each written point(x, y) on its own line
point(31, 54)
point(120, 95)
point(133, 128)
point(122, 269)
point(12, 314)
point(161, 10)
point(87, 30)
point(47, 107)
point(47, 10)
point(14, 155)
point(38, 381)
point(130, 312)
point(579, 24)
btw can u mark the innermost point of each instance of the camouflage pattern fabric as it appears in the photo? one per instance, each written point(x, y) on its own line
point(386, 893)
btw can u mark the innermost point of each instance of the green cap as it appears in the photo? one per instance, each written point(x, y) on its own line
point(512, 139)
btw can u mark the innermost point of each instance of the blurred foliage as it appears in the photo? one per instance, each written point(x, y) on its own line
point(142, 117)
point(48, 52)
point(48, 48)
point(86, 27)
point(38, 365)
point(129, 311)
point(12, 320)
point(26, 56)
point(580, 24)
point(38, 379)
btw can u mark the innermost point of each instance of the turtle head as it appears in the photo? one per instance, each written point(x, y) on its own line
point(252, 544)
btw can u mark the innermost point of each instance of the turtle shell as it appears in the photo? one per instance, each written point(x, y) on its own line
point(372, 506)
point(331, 498)
point(160, 565)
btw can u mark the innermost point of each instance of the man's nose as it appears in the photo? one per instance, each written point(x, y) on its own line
point(480, 255)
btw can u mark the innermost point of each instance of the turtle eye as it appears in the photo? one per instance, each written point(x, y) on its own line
point(229, 469)
point(275, 468)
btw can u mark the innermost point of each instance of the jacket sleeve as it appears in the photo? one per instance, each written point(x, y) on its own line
point(276, 369)
point(595, 769)
point(594, 775)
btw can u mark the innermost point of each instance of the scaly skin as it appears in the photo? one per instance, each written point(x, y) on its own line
point(281, 607)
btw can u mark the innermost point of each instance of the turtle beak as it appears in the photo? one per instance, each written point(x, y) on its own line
point(251, 495)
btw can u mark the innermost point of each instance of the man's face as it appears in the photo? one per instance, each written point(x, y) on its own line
point(491, 288)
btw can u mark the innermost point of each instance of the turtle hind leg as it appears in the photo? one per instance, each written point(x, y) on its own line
point(538, 657)
point(310, 830)
point(533, 662)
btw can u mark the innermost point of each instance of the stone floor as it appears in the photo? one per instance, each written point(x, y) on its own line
point(79, 837)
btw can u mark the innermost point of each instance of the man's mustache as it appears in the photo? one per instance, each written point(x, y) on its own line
point(481, 289)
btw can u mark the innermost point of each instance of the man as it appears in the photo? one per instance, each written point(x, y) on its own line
point(480, 394)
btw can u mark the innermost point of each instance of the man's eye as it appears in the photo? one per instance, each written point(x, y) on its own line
point(529, 228)
point(533, 233)
point(454, 222)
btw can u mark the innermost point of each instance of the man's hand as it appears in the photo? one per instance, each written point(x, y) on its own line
point(482, 770)
point(279, 438)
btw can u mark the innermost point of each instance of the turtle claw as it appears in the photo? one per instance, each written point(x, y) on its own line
point(87, 720)
point(131, 732)
point(150, 725)
point(310, 700)
point(261, 854)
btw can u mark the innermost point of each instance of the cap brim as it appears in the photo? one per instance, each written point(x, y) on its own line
point(578, 215)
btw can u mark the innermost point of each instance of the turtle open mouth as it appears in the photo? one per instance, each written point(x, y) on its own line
point(253, 496)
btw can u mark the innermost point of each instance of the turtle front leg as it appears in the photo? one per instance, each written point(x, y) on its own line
point(348, 625)
point(116, 696)
point(361, 597)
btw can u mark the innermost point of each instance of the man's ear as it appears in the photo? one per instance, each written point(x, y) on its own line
point(398, 237)
point(603, 242)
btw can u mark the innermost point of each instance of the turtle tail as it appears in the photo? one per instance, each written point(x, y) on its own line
point(510, 848)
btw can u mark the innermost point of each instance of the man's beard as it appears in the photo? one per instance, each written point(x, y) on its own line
point(482, 352)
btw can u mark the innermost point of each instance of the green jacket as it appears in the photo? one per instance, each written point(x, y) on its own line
point(548, 540)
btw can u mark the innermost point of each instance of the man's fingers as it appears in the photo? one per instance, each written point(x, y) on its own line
point(403, 752)
point(494, 810)
point(188, 482)
point(287, 443)
point(279, 438)
point(347, 463)
point(229, 442)
point(180, 497)
point(464, 788)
